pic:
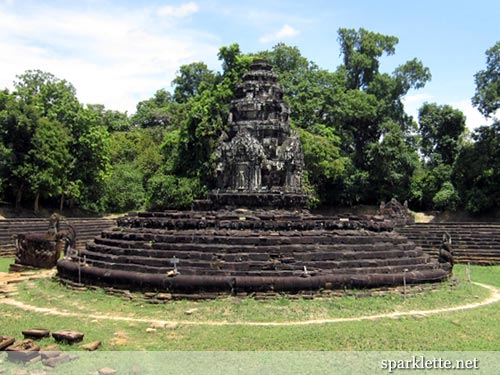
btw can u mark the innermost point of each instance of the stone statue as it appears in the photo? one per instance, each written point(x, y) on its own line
point(445, 250)
point(43, 250)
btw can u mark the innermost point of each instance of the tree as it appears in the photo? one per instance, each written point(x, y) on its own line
point(112, 120)
point(48, 161)
point(18, 122)
point(205, 117)
point(159, 111)
point(392, 163)
point(487, 96)
point(325, 166)
point(125, 188)
point(50, 96)
point(441, 129)
point(477, 170)
point(167, 191)
point(368, 110)
point(361, 51)
point(191, 80)
point(90, 145)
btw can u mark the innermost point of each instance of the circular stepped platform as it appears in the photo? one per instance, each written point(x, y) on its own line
point(250, 251)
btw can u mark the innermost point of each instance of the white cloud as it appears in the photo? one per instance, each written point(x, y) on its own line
point(285, 32)
point(474, 118)
point(180, 11)
point(114, 57)
point(414, 101)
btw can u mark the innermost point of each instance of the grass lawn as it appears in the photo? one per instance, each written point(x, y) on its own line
point(5, 263)
point(475, 329)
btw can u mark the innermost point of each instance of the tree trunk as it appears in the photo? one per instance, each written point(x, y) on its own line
point(37, 202)
point(19, 196)
point(61, 204)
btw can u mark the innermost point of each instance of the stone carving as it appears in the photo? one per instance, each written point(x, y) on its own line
point(42, 250)
point(259, 154)
point(445, 251)
point(398, 213)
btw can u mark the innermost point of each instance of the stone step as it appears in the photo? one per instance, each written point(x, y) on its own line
point(245, 237)
point(245, 261)
point(257, 246)
point(124, 255)
point(231, 269)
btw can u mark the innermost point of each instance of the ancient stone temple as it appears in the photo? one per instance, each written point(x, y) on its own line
point(259, 158)
point(252, 233)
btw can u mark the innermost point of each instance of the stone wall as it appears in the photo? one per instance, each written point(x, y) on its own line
point(477, 243)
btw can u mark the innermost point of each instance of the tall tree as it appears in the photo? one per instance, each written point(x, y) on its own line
point(477, 170)
point(191, 80)
point(361, 52)
point(206, 115)
point(50, 96)
point(441, 129)
point(487, 96)
point(48, 160)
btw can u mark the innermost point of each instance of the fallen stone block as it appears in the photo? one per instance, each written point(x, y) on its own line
point(24, 351)
point(91, 346)
point(68, 336)
point(6, 341)
point(36, 333)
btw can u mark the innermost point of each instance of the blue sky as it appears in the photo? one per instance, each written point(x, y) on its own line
point(120, 52)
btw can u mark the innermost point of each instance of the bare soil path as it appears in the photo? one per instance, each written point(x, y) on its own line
point(9, 281)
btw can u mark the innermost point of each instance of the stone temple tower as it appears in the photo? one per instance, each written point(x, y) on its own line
point(259, 159)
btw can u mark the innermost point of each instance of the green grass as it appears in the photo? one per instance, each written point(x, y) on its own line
point(475, 329)
point(49, 293)
point(5, 263)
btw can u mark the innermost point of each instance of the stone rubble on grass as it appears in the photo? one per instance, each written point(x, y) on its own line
point(36, 333)
point(6, 341)
point(68, 336)
point(24, 351)
point(91, 346)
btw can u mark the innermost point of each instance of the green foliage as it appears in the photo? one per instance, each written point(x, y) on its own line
point(446, 197)
point(325, 166)
point(441, 129)
point(166, 191)
point(392, 163)
point(112, 120)
point(360, 146)
point(55, 147)
point(124, 189)
point(487, 96)
point(49, 160)
point(361, 52)
point(191, 80)
point(205, 117)
point(159, 111)
point(477, 170)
